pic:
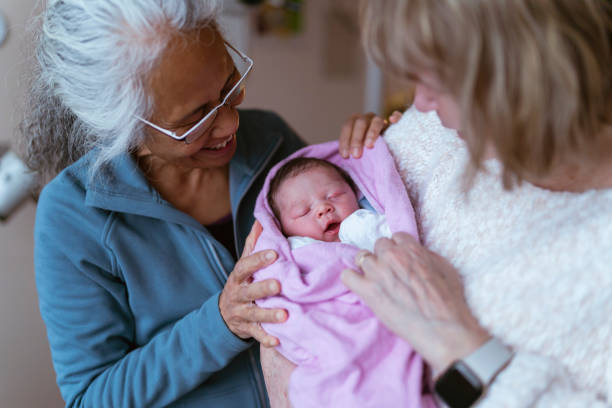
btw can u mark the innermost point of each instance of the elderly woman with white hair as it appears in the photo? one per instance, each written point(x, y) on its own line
point(132, 112)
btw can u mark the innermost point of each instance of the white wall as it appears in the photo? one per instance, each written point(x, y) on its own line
point(290, 75)
point(289, 78)
point(27, 379)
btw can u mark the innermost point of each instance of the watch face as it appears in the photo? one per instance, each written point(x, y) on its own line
point(459, 387)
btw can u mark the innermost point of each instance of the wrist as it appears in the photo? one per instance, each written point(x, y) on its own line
point(466, 380)
point(463, 345)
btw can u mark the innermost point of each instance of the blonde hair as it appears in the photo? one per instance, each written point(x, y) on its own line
point(532, 77)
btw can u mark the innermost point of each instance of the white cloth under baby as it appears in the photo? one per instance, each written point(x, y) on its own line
point(361, 229)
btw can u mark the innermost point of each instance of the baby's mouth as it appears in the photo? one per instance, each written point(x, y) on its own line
point(332, 227)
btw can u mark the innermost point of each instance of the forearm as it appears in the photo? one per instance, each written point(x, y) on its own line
point(171, 364)
point(277, 371)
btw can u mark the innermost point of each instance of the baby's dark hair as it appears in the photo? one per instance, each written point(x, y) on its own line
point(295, 167)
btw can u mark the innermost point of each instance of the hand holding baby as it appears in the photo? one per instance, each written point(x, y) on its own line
point(241, 315)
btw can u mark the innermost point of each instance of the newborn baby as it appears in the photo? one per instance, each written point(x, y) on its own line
point(309, 209)
point(315, 200)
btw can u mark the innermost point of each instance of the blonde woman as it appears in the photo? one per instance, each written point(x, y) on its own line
point(510, 298)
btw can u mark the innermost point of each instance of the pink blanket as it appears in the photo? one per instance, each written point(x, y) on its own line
point(345, 357)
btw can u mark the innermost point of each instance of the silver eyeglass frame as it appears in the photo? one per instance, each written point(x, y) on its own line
point(213, 111)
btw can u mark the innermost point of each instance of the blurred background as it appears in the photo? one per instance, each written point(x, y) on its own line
point(309, 68)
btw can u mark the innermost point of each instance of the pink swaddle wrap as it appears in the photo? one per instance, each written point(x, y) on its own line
point(345, 357)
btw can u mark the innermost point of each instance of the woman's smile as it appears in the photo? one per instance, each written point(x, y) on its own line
point(222, 144)
point(218, 152)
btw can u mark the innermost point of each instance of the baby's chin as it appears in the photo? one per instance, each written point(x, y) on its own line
point(330, 238)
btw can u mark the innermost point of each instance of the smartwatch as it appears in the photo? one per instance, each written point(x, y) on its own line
point(466, 380)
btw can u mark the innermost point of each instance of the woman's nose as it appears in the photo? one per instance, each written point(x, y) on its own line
point(424, 98)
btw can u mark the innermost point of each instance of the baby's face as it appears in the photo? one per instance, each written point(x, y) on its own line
point(314, 202)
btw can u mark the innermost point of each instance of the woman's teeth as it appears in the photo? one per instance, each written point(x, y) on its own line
point(222, 144)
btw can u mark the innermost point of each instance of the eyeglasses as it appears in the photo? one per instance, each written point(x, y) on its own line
point(243, 65)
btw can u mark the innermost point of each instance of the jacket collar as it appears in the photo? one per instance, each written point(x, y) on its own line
point(122, 187)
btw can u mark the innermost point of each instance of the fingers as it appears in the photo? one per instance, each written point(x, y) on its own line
point(397, 258)
point(260, 290)
point(360, 256)
point(355, 282)
point(254, 330)
point(242, 316)
point(363, 130)
point(256, 314)
point(406, 256)
point(377, 125)
point(367, 262)
point(395, 117)
point(345, 137)
point(248, 323)
point(393, 263)
point(375, 276)
point(251, 239)
point(236, 302)
point(402, 238)
point(259, 334)
point(367, 289)
point(358, 134)
point(246, 266)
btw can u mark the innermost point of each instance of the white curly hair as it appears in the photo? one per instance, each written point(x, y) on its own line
point(90, 65)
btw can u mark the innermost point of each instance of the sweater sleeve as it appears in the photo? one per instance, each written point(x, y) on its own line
point(532, 380)
point(85, 306)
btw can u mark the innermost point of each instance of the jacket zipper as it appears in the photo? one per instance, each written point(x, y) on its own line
point(261, 168)
point(254, 367)
point(260, 391)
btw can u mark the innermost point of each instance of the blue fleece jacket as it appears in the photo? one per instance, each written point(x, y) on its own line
point(129, 286)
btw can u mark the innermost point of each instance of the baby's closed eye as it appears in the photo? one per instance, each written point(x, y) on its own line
point(336, 195)
point(301, 212)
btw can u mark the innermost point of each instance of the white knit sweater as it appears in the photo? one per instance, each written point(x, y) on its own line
point(536, 264)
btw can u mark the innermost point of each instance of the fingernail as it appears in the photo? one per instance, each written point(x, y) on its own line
point(280, 316)
point(273, 286)
point(270, 255)
point(344, 153)
point(355, 152)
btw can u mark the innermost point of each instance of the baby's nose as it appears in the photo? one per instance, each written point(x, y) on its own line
point(324, 209)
